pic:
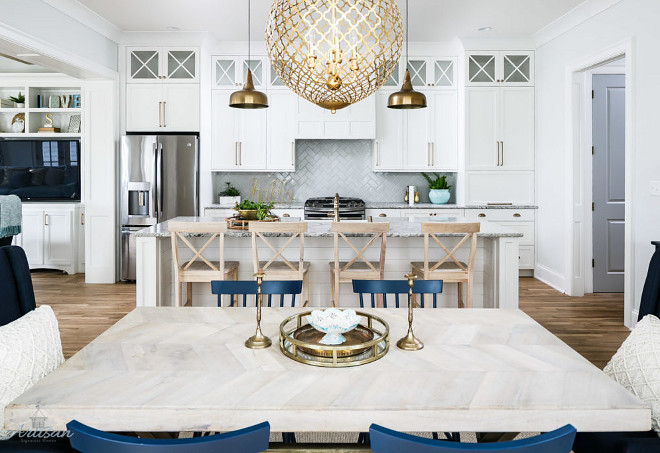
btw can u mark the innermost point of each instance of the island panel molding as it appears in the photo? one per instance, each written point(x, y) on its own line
point(186, 369)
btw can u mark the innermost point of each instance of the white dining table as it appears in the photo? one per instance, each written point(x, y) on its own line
point(187, 369)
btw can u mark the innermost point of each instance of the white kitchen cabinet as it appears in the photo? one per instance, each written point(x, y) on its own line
point(357, 121)
point(281, 153)
point(382, 213)
point(431, 213)
point(492, 68)
point(432, 72)
point(500, 128)
point(239, 136)
point(230, 71)
point(419, 139)
point(162, 107)
point(157, 64)
point(289, 213)
point(49, 236)
point(516, 187)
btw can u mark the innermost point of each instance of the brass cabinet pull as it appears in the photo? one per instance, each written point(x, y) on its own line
point(164, 114)
point(236, 154)
point(498, 153)
point(160, 114)
point(82, 218)
point(428, 154)
point(293, 153)
point(46, 219)
point(432, 154)
point(240, 153)
point(502, 160)
point(382, 214)
point(481, 214)
point(516, 215)
point(377, 154)
point(286, 215)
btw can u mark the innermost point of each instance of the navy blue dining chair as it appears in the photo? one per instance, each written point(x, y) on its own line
point(86, 439)
point(15, 285)
point(396, 287)
point(245, 288)
point(384, 440)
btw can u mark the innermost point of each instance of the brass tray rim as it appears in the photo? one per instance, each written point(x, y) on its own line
point(380, 341)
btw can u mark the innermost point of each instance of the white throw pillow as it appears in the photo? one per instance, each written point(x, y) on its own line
point(30, 348)
point(636, 365)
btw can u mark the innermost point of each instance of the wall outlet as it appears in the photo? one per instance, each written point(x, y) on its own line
point(655, 188)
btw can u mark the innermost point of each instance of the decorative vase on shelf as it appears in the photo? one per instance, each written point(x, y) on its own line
point(439, 196)
point(20, 105)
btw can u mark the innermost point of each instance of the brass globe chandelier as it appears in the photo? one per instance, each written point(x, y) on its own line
point(334, 52)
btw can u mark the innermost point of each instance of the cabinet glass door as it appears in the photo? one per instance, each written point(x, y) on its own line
point(394, 79)
point(443, 73)
point(275, 80)
point(417, 70)
point(225, 73)
point(144, 64)
point(181, 65)
point(257, 68)
point(481, 69)
point(517, 69)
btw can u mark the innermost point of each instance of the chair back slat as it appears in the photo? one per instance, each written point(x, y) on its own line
point(396, 287)
point(179, 231)
point(249, 288)
point(86, 439)
point(384, 440)
point(432, 229)
point(294, 229)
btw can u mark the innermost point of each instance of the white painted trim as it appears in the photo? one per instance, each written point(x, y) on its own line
point(550, 278)
point(571, 19)
point(87, 17)
point(584, 64)
point(88, 68)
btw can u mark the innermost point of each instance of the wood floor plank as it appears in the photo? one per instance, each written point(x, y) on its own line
point(592, 325)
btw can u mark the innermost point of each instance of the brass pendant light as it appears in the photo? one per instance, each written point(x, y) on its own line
point(407, 97)
point(248, 97)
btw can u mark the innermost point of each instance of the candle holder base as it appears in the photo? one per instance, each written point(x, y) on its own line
point(258, 341)
point(410, 342)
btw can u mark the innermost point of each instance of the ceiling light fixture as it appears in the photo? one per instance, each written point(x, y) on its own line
point(248, 97)
point(334, 52)
point(407, 97)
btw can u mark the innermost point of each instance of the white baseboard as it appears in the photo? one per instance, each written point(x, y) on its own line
point(550, 278)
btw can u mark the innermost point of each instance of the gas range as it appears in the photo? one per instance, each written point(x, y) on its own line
point(322, 208)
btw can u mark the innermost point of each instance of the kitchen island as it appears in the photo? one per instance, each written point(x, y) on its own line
point(496, 262)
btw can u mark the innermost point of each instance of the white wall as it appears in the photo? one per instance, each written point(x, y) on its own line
point(629, 18)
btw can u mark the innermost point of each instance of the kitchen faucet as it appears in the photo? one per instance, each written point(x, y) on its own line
point(335, 209)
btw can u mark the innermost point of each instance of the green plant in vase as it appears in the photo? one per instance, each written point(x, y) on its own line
point(230, 196)
point(19, 100)
point(438, 188)
point(251, 210)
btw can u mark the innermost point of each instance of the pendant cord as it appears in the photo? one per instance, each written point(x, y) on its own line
point(407, 36)
point(249, 12)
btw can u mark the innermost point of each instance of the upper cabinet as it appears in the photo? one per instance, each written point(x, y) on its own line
point(431, 72)
point(230, 71)
point(162, 64)
point(513, 68)
point(357, 121)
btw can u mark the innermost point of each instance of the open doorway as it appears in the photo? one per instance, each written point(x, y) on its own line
point(599, 144)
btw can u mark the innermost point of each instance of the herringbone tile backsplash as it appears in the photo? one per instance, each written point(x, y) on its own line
point(326, 167)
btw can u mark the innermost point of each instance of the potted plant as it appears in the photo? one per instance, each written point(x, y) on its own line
point(438, 188)
point(250, 210)
point(230, 196)
point(19, 100)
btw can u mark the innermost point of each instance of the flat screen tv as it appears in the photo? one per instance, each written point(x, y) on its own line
point(40, 170)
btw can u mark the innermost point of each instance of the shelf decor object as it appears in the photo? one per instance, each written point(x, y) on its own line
point(367, 342)
point(410, 342)
point(18, 123)
point(407, 97)
point(74, 124)
point(334, 52)
point(258, 340)
point(248, 97)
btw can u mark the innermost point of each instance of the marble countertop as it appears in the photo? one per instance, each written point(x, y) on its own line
point(186, 369)
point(399, 205)
point(401, 227)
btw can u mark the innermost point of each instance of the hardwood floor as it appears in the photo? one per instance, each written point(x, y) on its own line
point(592, 325)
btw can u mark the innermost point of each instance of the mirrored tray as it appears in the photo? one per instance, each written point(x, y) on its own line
point(369, 341)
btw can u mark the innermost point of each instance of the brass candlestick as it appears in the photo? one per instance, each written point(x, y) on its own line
point(258, 340)
point(410, 342)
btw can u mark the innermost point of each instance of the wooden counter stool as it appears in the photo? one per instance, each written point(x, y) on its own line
point(199, 268)
point(278, 267)
point(358, 267)
point(449, 269)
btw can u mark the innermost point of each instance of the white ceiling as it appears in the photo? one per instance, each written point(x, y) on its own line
point(430, 20)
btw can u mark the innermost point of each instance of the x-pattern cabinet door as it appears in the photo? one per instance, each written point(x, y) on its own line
point(482, 69)
point(144, 64)
point(181, 65)
point(517, 68)
point(502, 68)
point(156, 64)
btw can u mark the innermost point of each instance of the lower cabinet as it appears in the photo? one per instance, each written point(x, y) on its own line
point(51, 236)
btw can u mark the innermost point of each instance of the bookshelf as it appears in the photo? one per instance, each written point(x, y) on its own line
point(41, 101)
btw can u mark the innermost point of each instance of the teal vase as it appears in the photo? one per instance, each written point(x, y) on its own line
point(439, 196)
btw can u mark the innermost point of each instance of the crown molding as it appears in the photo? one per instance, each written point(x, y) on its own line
point(87, 17)
point(571, 19)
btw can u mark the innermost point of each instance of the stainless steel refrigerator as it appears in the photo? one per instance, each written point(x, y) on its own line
point(159, 181)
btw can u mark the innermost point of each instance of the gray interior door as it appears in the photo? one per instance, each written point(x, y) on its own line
point(608, 187)
point(178, 176)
